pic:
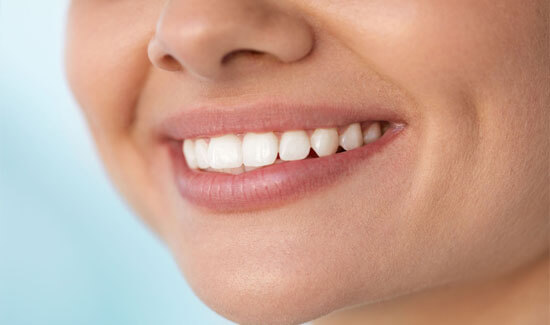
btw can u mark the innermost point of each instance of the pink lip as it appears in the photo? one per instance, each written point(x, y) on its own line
point(211, 120)
point(270, 185)
point(276, 184)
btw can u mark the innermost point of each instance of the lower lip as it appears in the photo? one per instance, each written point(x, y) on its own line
point(272, 185)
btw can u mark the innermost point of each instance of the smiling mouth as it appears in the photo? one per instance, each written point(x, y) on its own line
point(240, 153)
point(219, 167)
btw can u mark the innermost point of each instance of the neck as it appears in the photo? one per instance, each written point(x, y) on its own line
point(519, 298)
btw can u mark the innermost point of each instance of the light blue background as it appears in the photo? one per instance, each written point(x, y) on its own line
point(70, 251)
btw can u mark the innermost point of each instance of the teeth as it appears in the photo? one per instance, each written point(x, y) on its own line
point(225, 152)
point(189, 154)
point(352, 137)
point(260, 149)
point(234, 171)
point(372, 133)
point(201, 153)
point(294, 145)
point(324, 141)
point(228, 154)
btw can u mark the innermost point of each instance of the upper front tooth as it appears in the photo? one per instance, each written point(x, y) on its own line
point(201, 153)
point(352, 137)
point(189, 154)
point(294, 145)
point(225, 152)
point(372, 133)
point(324, 141)
point(260, 149)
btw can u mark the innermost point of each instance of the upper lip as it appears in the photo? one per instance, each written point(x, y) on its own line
point(208, 120)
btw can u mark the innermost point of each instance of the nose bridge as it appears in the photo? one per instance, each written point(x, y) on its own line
point(196, 35)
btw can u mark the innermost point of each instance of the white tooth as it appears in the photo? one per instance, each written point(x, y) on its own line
point(352, 137)
point(260, 149)
point(324, 141)
point(294, 145)
point(201, 153)
point(372, 133)
point(225, 152)
point(189, 154)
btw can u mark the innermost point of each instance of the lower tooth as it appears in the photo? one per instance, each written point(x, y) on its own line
point(234, 171)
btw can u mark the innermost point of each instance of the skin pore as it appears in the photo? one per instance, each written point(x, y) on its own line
point(450, 218)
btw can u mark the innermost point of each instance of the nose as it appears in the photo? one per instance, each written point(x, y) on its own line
point(203, 36)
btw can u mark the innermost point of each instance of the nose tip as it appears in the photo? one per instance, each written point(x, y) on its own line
point(204, 38)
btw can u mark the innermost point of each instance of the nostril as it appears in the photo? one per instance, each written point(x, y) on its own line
point(243, 52)
point(168, 62)
point(161, 58)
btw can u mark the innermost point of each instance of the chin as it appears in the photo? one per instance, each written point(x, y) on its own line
point(267, 295)
point(265, 301)
point(252, 274)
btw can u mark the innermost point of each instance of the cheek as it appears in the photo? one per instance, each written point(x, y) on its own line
point(471, 70)
point(107, 62)
point(473, 74)
point(107, 66)
point(430, 46)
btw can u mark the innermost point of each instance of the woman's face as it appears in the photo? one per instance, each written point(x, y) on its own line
point(456, 189)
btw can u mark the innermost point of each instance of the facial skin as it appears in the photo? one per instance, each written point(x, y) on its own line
point(462, 196)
